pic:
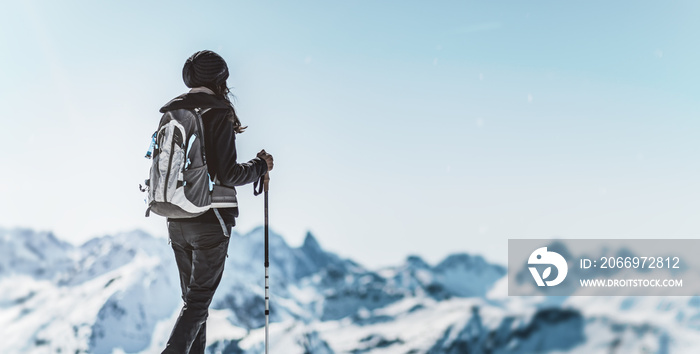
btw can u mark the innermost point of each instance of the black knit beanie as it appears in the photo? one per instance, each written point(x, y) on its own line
point(205, 68)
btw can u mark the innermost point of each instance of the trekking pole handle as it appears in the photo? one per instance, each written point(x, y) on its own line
point(266, 182)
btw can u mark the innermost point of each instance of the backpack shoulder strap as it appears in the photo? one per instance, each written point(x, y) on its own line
point(200, 129)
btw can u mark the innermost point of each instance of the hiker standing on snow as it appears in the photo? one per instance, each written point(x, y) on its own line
point(200, 243)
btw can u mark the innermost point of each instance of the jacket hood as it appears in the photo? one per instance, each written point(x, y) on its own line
point(194, 100)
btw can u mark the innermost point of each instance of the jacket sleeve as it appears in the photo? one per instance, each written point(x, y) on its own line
point(230, 172)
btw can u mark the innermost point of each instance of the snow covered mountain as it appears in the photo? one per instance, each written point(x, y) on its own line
point(120, 294)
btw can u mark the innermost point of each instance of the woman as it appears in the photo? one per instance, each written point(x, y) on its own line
point(200, 243)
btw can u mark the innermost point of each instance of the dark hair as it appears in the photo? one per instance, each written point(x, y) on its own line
point(224, 92)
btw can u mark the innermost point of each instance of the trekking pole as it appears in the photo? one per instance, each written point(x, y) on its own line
point(266, 188)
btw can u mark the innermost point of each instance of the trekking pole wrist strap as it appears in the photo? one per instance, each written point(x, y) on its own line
point(258, 185)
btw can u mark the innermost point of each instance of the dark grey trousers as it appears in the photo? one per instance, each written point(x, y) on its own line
point(200, 252)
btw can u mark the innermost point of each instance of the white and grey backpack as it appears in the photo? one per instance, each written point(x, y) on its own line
point(179, 184)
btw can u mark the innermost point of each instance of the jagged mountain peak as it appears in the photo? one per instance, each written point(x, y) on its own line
point(415, 261)
point(45, 238)
point(310, 242)
point(36, 253)
point(312, 249)
point(461, 260)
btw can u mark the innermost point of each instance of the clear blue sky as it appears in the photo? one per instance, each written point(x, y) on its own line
point(398, 128)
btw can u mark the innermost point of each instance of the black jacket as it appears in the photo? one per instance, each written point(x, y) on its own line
point(220, 146)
